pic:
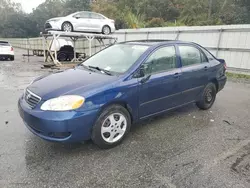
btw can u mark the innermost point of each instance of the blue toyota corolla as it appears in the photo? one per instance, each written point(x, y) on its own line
point(123, 84)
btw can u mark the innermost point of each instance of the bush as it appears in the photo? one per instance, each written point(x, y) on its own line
point(155, 22)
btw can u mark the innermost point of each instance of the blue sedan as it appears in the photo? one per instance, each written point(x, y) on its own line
point(100, 98)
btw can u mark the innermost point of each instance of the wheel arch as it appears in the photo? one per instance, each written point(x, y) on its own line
point(107, 26)
point(121, 103)
point(69, 23)
point(216, 83)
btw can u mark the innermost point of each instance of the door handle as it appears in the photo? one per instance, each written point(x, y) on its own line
point(206, 68)
point(177, 75)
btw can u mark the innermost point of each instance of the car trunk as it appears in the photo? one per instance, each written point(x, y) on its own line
point(5, 48)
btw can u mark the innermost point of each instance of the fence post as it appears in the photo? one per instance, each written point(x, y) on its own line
point(219, 41)
point(125, 36)
point(27, 46)
point(44, 50)
point(148, 35)
point(178, 35)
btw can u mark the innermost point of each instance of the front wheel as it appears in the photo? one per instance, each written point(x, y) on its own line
point(67, 27)
point(111, 127)
point(208, 97)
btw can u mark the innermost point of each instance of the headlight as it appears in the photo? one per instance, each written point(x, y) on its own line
point(63, 103)
point(54, 20)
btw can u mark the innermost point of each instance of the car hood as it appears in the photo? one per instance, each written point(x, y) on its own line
point(70, 82)
point(56, 18)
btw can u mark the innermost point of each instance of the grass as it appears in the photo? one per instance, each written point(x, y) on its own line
point(237, 75)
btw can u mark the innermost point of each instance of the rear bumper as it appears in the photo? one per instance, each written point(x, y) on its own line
point(221, 83)
point(65, 127)
point(113, 29)
point(6, 56)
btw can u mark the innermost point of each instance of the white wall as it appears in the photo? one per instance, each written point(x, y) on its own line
point(230, 42)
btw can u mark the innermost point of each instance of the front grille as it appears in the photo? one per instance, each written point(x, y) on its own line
point(31, 98)
point(47, 26)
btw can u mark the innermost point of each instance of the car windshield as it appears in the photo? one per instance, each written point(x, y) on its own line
point(117, 58)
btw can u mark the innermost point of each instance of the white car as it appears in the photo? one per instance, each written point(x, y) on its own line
point(82, 21)
point(6, 51)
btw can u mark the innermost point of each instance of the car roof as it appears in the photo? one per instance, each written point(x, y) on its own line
point(156, 42)
point(87, 12)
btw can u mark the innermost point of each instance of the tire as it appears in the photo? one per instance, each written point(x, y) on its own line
point(208, 97)
point(106, 30)
point(111, 127)
point(12, 58)
point(62, 56)
point(67, 27)
point(70, 56)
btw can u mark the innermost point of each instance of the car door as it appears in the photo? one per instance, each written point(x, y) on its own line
point(159, 88)
point(195, 72)
point(81, 21)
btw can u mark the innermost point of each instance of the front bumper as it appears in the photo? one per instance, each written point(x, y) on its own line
point(52, 26)
point(65, 127)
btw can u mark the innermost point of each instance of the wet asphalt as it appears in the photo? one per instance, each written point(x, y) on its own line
point(184, 148)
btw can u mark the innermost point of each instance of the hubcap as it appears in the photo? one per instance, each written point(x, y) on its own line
point(114, 127)
point(106, 30)
point(209, 96)
point(67, 27)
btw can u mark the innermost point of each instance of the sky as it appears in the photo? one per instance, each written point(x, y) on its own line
point(28, 5)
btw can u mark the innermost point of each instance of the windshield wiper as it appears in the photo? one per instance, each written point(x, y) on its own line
point(87, 67)
point(101, 70)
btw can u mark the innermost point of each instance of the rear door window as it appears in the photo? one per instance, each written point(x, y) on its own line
point(191, 56)
point(96, 16)
point(208, 54)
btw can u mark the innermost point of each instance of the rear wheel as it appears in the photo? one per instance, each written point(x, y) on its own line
point(111, 127)
point(12, 58)
point(208, 97)
point(67, 27)
point(106, 30)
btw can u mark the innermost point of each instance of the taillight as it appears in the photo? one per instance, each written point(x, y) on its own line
point(12, 49)
point(223, 62)
point(225, 65)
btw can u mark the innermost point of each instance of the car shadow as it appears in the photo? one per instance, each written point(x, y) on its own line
point(164, 116)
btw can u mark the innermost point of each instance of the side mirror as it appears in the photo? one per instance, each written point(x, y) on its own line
point(77, 17)
point(140, 72)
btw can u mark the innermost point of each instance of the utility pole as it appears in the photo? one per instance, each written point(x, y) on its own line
point(210, 8)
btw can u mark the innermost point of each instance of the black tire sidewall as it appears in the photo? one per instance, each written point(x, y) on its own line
point(202, 104)
point(62, 56)
point(96, 131)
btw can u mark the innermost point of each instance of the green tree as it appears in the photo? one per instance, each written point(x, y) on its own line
point(126, 13)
